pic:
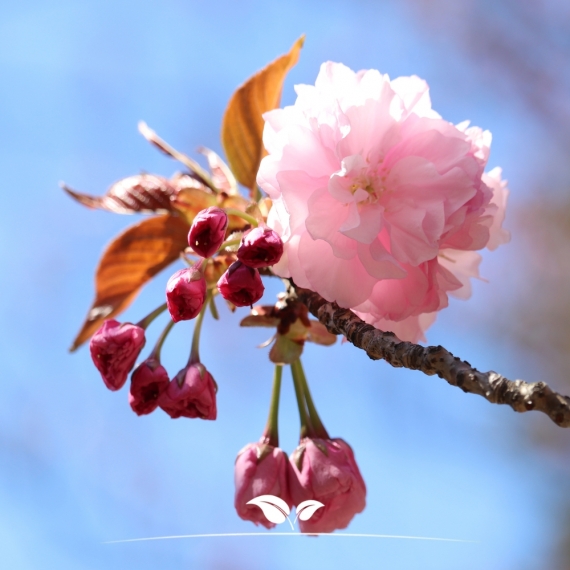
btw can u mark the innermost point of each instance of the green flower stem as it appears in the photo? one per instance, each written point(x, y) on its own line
point(306, 426)
point(143, 323)
point(229, 243)
point(250, 219)
point(271, 433)
point(195, 350)
point(158, 346)
point(318, 426)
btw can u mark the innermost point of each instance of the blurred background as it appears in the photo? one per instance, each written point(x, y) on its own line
point(78, 468)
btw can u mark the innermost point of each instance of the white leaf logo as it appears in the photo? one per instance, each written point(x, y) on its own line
point(274, 508)
point(307, 509)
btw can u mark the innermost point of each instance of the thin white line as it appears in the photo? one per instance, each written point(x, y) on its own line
point(350, 535)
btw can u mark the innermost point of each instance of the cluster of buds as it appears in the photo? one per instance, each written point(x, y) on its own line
point(321, 470)
point(234, 247)
point(191, 393)
point(241, 283)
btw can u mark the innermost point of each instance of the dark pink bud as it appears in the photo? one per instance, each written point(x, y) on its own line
point(190, 394)
point(114, 350)
point(260, 247)
point(208, 231)
point(148, 382)
point(260, 469)
point(185, 294)
point(325, 470)
point(241, 285)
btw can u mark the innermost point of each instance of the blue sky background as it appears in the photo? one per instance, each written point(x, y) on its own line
point(77, 467)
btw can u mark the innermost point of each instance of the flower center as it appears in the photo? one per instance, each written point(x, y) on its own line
point(368, 189)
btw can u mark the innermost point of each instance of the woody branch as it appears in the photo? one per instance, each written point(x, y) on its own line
point(521, 396)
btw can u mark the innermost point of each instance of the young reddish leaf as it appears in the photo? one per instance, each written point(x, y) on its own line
point(259, 321)
point(190, 201)
point(144, 193)
point(164, 147)
point(285, 351)
point(235, 223)
point(242, 125)
point(128, 262)
point(319, 334)
point(222, 176)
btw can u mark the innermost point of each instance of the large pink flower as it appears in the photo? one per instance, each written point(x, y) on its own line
point(377, 198)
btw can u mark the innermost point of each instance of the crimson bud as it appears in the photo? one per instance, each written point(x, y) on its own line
point(260, 247)
point(114, 349)
point(148, 382)
point(185, 294)
point(208, 231)
point(241, 285)
point(190, 394)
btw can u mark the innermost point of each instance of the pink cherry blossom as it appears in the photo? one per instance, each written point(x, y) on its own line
point(260, 469)
point(371, 188)
point(325, 470)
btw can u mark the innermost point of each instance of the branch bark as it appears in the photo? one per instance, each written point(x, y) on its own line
point(521, 396)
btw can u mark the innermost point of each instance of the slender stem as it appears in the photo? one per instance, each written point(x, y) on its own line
point(213, 308)
point(306, 426)
point(158, 346)
point(230, 242)
point(184, 256)
point(320, 430)
point(271, 433)
point(195, 350)
point(143, 323)
point(234, 212)
point(153, 138)
point(255, 193)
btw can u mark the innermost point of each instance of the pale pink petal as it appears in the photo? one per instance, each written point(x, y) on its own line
point(379, 263)
point(414, 93)
point(370, 222)
point(463, 265)
point(332, 277)
point(497, 234)
point(326, 216)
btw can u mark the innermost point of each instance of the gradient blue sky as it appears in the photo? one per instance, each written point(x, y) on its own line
point(77, 467)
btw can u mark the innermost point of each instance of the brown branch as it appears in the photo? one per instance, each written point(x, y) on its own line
point(521, 396)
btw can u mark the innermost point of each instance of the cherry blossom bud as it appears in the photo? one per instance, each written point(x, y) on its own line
point(208, 231)
point(241, 285)
point(260, 469)
point(325, 470)
point(260, 247)
point(185, 294)
point(114, 349)
point(148, 382)
point(190, 394)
